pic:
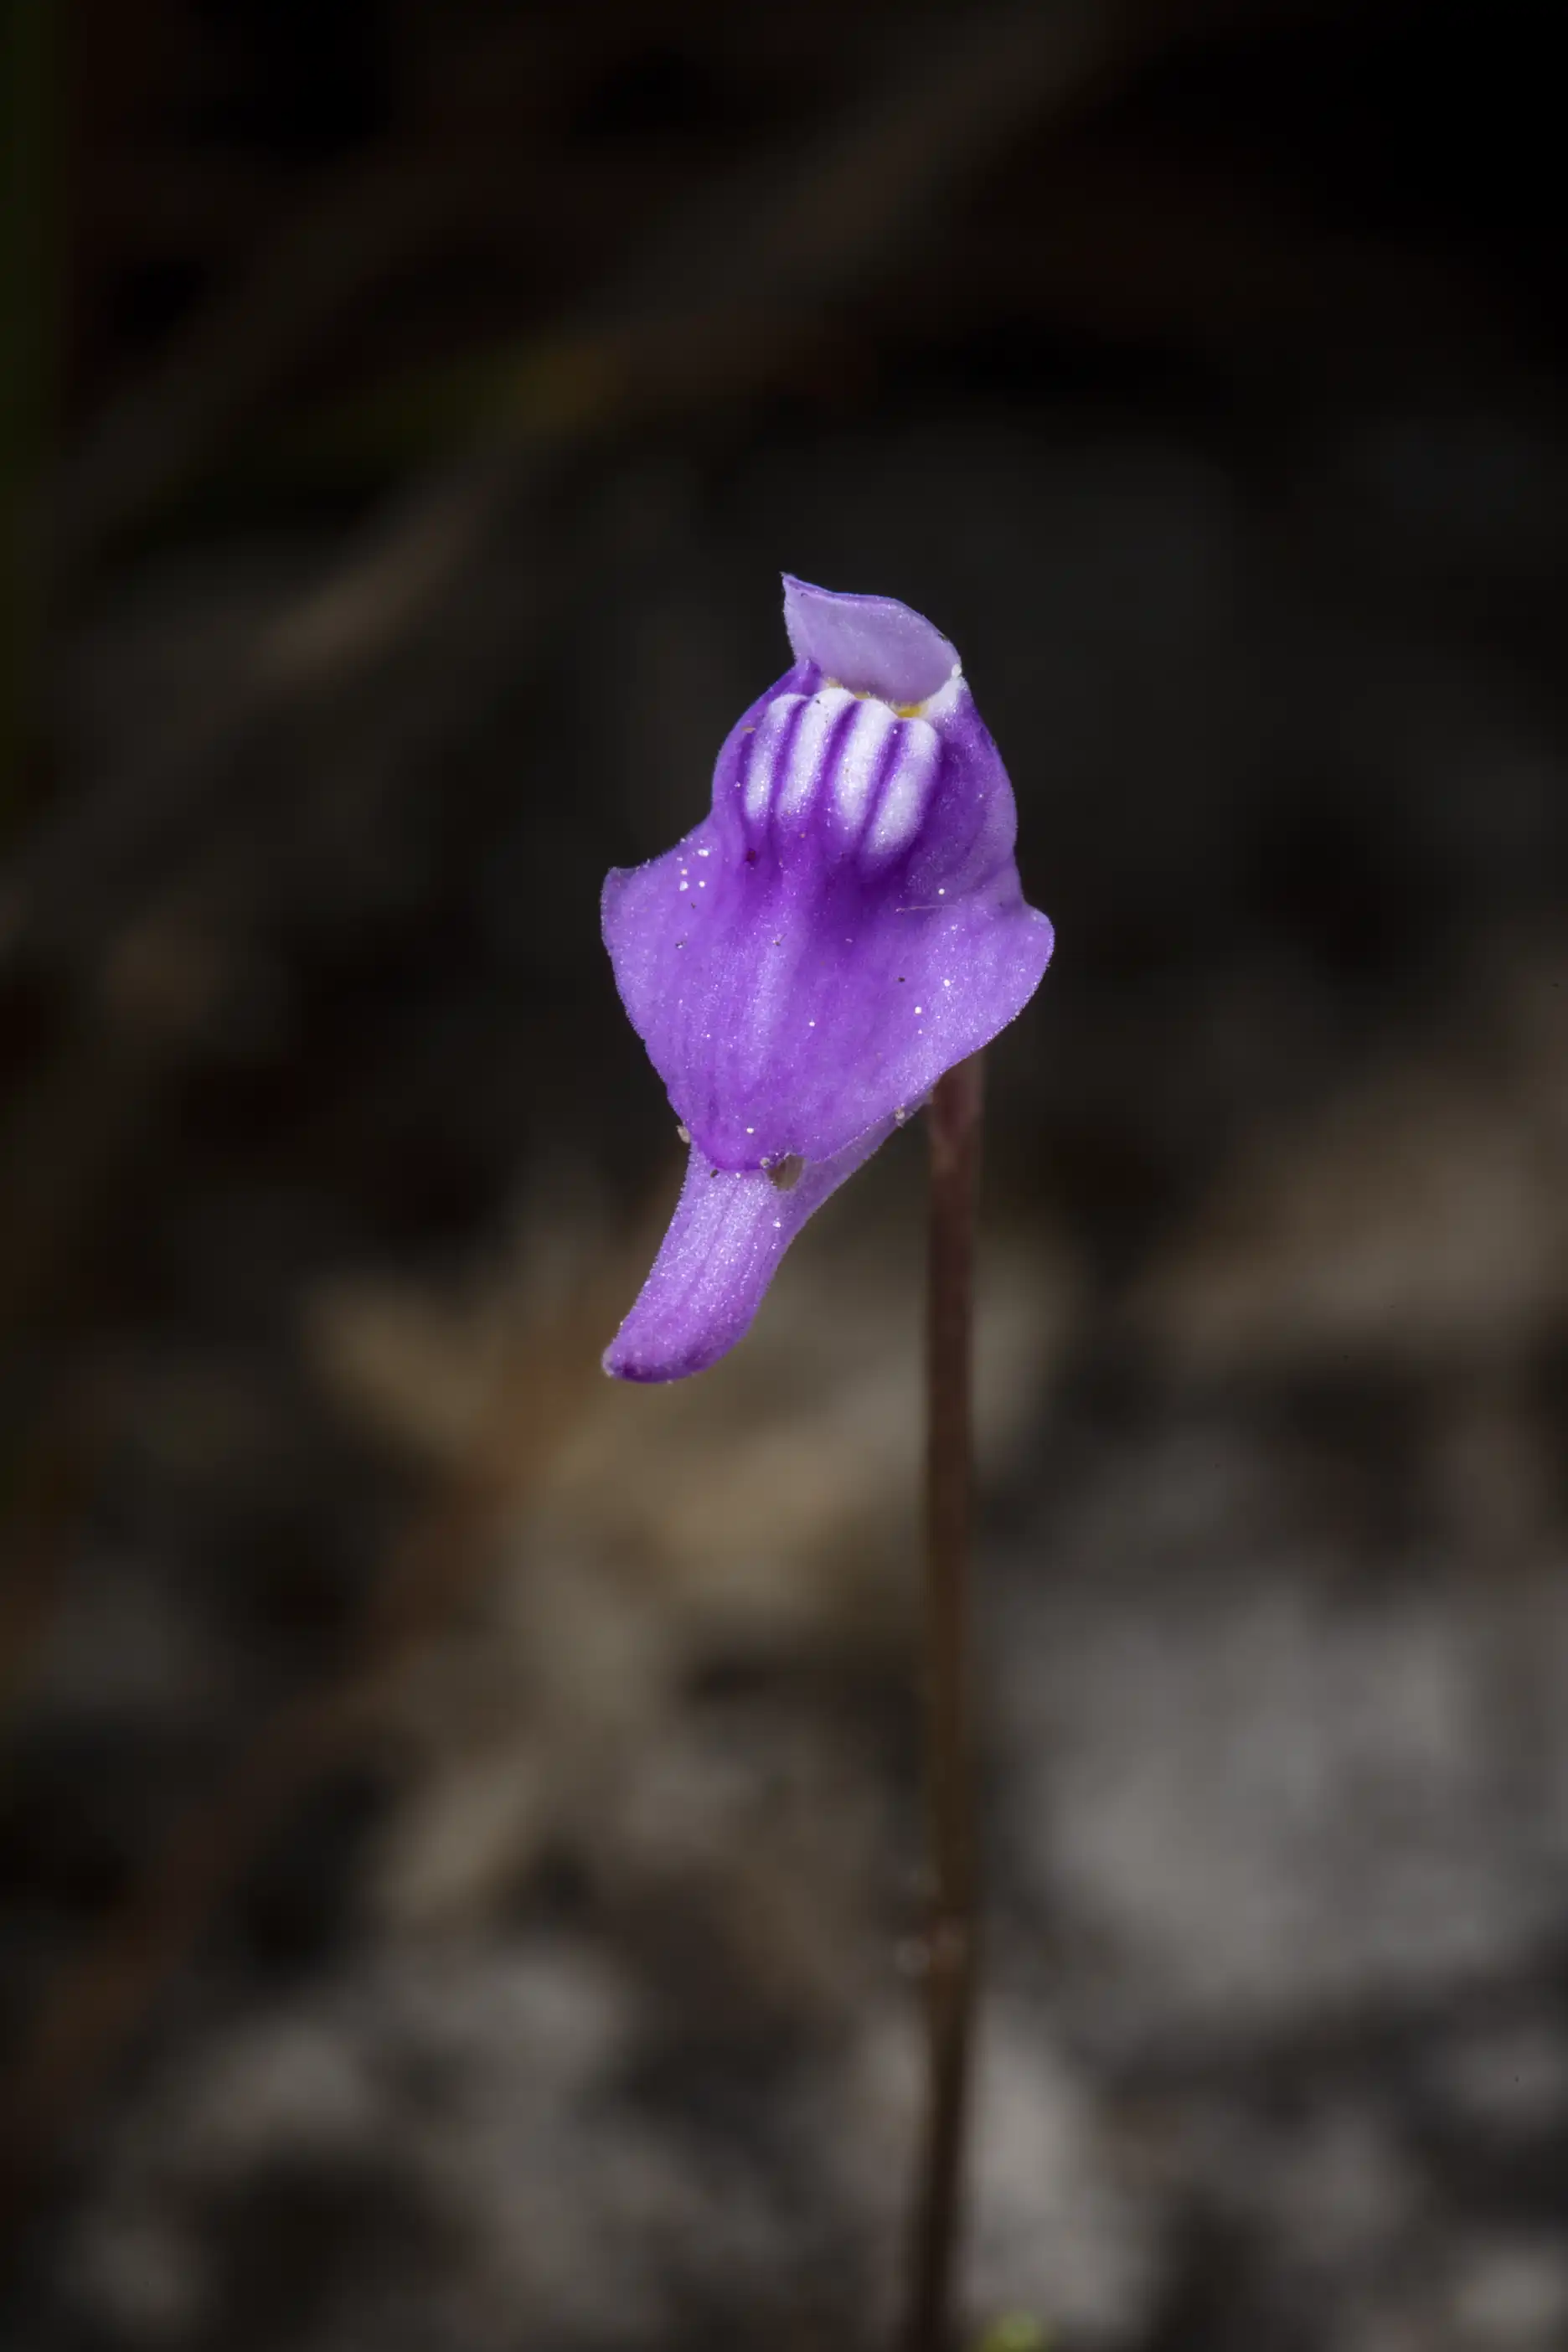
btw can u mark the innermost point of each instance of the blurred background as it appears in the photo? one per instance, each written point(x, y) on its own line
point(459, 1819)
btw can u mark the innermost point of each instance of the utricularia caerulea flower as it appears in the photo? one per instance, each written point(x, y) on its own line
point(844, 925)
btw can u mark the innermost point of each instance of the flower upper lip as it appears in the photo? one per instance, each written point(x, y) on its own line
point(872, 644)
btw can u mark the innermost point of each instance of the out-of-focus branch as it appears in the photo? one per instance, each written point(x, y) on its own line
point(99, 2000)
point(358, 226)
point(29, 74)
point(714, 308)
point(160, 433)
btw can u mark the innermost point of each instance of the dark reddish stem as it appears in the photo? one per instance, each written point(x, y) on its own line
point(954, 1121)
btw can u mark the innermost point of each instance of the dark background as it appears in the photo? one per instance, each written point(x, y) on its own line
point(458, 1821)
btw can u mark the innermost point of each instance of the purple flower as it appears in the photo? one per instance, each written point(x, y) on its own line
point(844, 925)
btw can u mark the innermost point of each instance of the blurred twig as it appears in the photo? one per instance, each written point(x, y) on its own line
point(375, 220)
point(355, 229)
point(97, 2001)
point(34, 1483)
point(29, 74)
point(714, 308)
point(378, 218)
point(41, 1479)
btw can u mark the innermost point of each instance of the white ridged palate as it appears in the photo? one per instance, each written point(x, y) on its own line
point(797, 777)
point(765, 754)
point(907, 790)
point(855, 770)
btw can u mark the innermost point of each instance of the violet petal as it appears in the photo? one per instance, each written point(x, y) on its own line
point(724, 1242)
point(873, 645)
point(845, 924)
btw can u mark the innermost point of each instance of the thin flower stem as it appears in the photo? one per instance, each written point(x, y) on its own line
point(954, 1122)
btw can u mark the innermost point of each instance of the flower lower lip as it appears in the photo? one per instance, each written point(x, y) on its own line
point(729, 1231)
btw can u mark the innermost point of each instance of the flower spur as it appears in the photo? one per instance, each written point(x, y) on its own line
point(844, 925)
